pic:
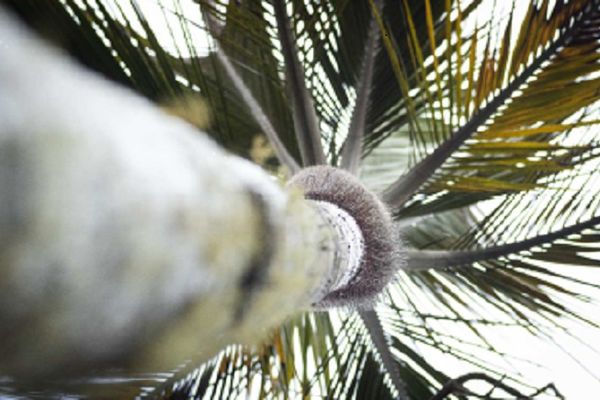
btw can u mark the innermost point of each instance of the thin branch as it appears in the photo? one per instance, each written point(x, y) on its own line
point(352, 150)
point(306, 123)
point(253, 106)
point(456, 385)
point(440, 259)
point(378, 337)
point(399, 192)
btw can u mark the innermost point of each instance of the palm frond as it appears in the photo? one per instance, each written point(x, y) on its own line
point(515, 106)
point(306, 357)
point(408, 48)
point(256, 110)
point(352, 148)
point(562, 252)
point(305, 118)
point(523, 269)
point(382, 347)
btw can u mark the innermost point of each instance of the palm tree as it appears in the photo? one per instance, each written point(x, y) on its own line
point(476, 128)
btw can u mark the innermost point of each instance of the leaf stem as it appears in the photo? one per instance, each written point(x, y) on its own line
point(440, 259)
point(306, 122)
point(378, 337)
point(254, 107)
point(352, 150)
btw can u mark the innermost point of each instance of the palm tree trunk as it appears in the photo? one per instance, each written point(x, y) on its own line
point(126, 236)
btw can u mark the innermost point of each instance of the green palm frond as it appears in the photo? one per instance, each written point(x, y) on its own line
point(504, 100)
point(328, 362)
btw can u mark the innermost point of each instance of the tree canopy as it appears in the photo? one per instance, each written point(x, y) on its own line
point(476, 123)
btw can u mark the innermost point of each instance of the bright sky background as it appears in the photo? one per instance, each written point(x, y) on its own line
point(568, 372)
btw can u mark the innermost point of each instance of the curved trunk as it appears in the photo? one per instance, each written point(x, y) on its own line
point(128, 238)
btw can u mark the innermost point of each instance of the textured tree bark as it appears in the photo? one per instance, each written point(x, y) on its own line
point(126, 238)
